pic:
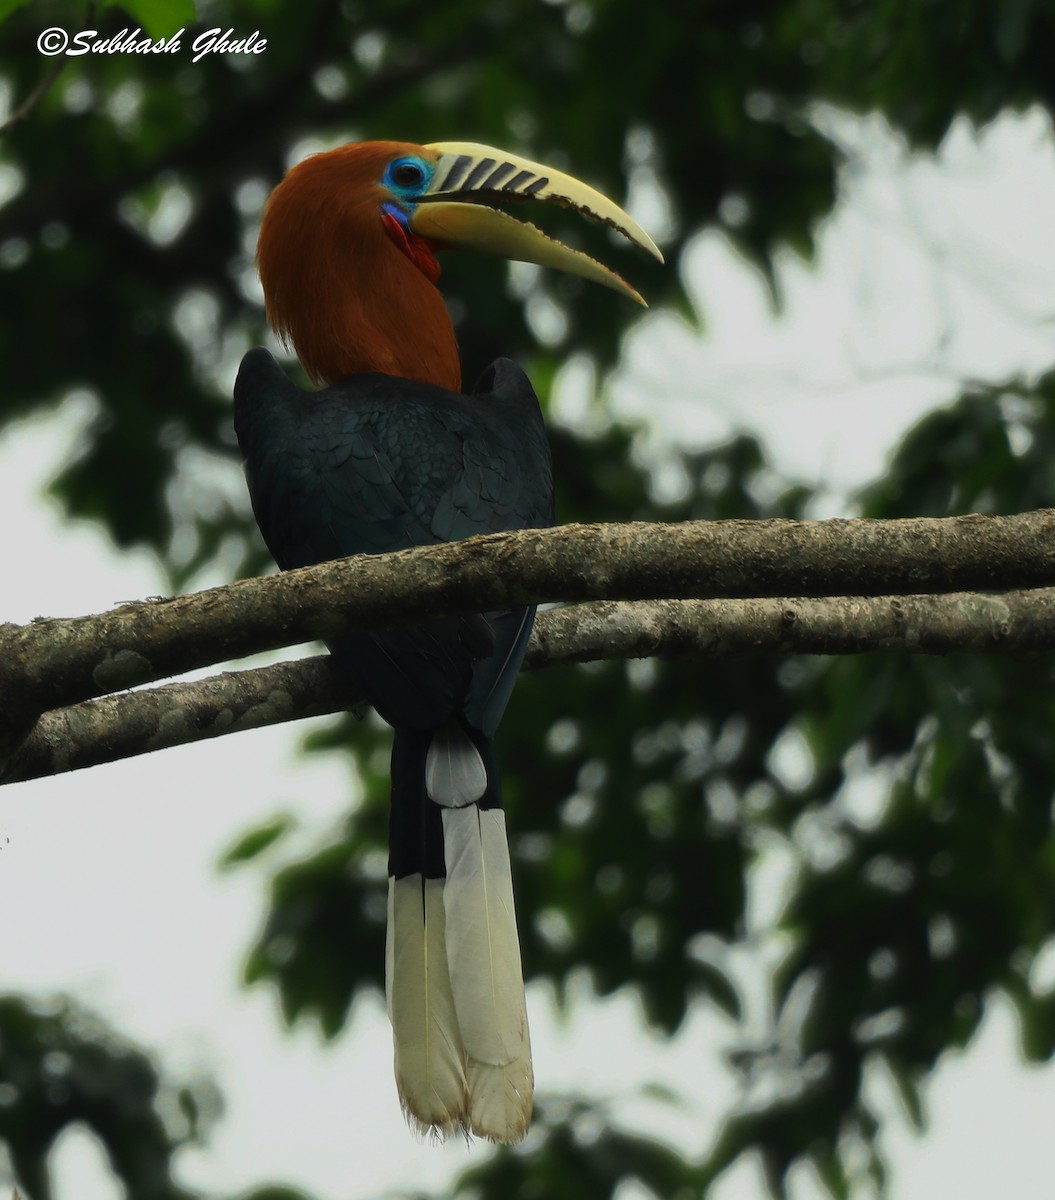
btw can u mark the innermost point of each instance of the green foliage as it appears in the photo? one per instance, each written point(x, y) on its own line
point(642, 797)
point(60, 1066)
point(7, 7)
point(274, 1193)
point(580, 1153)
point(160, 18)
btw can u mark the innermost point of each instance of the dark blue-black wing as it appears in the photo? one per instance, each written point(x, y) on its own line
point(378, 463)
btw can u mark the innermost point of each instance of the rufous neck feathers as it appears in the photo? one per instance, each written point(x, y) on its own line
point(338, 289)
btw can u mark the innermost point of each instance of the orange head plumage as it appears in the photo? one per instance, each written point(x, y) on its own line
point(348, 240)
point(338, 286)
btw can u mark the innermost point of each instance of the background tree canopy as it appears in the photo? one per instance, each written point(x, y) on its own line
point(641, 797)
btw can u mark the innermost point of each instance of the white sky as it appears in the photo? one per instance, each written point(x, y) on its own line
point(931, 270)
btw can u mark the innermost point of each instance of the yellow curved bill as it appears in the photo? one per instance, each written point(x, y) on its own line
point(471, 173)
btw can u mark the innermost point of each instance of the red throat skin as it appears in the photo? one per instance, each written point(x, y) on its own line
point(346, 291)
point(419, 250)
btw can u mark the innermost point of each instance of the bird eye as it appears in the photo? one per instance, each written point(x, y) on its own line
point(406, 173)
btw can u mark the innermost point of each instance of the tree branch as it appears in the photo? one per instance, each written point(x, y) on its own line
point(25, 109)
point(132, 723)
point(52, 663)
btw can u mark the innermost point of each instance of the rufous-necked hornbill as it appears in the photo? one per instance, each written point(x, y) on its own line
point(389, 455)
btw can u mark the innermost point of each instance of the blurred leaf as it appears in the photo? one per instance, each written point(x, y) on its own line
point(255, 842)
point(274, 1193)
point(721, 989)
point(160, 18)
point(1012, 27)
point(7, 7)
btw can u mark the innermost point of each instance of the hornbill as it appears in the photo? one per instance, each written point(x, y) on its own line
point(391, 454)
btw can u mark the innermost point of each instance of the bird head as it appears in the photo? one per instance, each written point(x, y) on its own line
point(349, 240)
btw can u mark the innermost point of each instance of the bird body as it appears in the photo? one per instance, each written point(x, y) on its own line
point(379, 463)
point(392, 455)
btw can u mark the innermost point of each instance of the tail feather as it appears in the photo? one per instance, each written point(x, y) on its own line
point(487, 984)
point(455, 773)
point(429, 1056)
point(453, 974)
